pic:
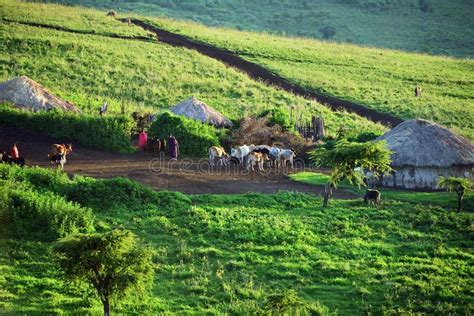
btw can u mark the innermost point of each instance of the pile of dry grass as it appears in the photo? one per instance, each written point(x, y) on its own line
point(257, 131)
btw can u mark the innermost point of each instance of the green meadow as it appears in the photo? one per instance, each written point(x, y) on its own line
point(135, 74)
point(380, 79)
point(231, 254)
point(431, 26)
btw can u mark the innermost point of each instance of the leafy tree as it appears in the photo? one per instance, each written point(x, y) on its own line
point(458, 185)
point(111, 262)
point(345, 157)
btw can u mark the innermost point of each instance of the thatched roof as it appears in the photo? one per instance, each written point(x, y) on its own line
point(421, 143)
point(199, 111)
point(25, 93)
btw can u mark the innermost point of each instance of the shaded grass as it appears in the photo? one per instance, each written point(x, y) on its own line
point(434, 26)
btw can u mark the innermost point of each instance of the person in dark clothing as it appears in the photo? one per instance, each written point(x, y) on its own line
point(173, 147)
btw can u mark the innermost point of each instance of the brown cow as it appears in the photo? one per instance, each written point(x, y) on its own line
point(112, 14)
point(61, 149)
point(219, 154)
point(257, 159)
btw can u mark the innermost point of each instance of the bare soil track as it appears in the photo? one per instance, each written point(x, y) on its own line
point(260, 73)
point(188, 176)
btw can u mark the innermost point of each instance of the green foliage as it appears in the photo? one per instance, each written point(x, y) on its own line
point(277, 116)
point(194, 137)
point(455, 184)
point(459, 185)
point(123, 193)
point(112, 263)
point(42, 216)
point(104, 132)
point(344, 157)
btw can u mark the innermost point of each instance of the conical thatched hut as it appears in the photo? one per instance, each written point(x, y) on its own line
point(424, 151)
point(25, 93)
point(199, 111)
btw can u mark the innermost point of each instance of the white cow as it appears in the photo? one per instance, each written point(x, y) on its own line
point(286, 155)
point(219, 154)
point(241, 153)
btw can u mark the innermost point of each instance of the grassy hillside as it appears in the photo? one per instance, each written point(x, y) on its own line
point(379, 79)
point(432, 26)
point(88, 69)
point(230, 254)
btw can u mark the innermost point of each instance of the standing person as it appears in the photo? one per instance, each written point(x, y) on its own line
point(14, 153)
point(142, 139)
point(173, 147)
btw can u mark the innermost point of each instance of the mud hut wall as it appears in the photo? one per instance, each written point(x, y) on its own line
point(424, 177)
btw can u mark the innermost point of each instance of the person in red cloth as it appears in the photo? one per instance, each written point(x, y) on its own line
point(14, 152)
point(142, 139)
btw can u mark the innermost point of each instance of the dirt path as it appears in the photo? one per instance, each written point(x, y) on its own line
point(260, 73)
point(187, 175)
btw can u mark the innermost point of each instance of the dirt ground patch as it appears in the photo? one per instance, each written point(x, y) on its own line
point(190, 176)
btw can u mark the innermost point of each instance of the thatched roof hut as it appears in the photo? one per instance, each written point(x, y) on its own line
point(424, 151)
point(23, 92)
point(199, 111)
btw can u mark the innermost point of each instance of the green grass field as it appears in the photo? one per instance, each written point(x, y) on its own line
point(380, 79)
point(227, 254)
point(447, 200)
point(88, 69)
point(431, 26)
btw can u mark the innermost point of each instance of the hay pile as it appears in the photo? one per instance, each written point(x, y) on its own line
point(421, 143)
point(199, 111)
point(25, 93)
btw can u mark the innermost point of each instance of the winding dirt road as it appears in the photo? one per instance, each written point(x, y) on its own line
point(190, 176)
point(258, 72)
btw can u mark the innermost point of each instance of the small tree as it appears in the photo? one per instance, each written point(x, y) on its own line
point(458, 185)
point(111, 262)
point(345, 157)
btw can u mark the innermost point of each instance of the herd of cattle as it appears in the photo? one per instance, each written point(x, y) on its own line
point(251, 156)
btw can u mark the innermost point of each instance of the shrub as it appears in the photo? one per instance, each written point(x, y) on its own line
point(117, 192)
point(276, 116)
point(194, 137)
point(39, 178)
point(42, 216)
point(105, 132)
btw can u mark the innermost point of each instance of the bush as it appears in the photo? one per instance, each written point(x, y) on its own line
point(39, 178)
point(122, 192)
point(42, 216)
point(194, 137)
point(105, 132)
point(276, 116)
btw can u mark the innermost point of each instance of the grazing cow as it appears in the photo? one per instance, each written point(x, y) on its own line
point(418, 92)
point(60, 149)
point(372, 196)
point(12, 160)
point(59, 160)
point(241, 153)
point(219, 154)
point(286, 155)
point(112, 14)
point(256, 159)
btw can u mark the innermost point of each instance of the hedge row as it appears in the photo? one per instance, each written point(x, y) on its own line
point(194, 137)
point(106, 132)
